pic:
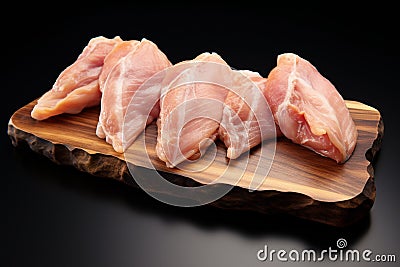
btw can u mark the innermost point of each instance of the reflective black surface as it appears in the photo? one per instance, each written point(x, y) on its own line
point(57, 216)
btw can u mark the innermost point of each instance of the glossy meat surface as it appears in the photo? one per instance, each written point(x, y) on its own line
point(77, 87)
point(308, 108)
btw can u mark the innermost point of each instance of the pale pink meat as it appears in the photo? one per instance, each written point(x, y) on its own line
point(123, 83)
point(191, 113)
point(246, 119)
point(308, 108)
point(76, 87)
point(118, 52)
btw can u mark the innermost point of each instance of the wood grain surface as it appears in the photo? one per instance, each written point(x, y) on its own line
point(300, 182)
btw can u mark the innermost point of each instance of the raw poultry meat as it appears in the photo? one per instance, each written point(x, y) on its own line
point(191, 110)
point(77, 87)
point(123, 87)
point(118, 52)
point(247, 118)
point(305, 106)
point(308, 108)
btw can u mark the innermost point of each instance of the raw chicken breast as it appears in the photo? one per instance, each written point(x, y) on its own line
point(247, 118)
point(77, 86)
point(308, 108)
point(118, 52)
point(192, 110)
point(123, 87)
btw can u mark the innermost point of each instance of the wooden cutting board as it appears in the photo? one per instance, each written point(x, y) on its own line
point(300, 182)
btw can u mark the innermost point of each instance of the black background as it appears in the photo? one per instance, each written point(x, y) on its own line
point(57, 216)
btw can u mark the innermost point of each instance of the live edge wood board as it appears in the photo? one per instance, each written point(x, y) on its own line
point(300, 182)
